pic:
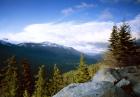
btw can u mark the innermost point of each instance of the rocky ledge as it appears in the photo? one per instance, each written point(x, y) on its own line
point(108, 82)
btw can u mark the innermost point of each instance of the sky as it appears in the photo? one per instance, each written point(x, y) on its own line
point(82, 24)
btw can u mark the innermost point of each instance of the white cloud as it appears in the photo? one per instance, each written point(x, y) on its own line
point(135, 25)
point(75, 8)
point(106, 15)
point(73, 34)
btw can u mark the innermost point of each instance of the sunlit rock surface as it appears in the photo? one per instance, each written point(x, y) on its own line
point(106, 83)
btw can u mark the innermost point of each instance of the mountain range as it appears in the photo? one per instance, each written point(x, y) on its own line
point(44, 53)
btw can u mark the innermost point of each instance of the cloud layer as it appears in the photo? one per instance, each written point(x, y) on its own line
point(87, 36)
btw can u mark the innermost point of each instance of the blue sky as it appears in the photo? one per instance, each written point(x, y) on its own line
point(61, 20)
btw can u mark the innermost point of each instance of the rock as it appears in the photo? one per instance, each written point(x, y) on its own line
point(115, 92)
point(107, 74)
point(123, 82)
point(106, 83)
point(136, 89)
point(91, 89)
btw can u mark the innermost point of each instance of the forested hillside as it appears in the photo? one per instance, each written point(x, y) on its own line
point(45, 53)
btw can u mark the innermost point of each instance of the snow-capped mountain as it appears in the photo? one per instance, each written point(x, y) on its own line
point(38, 44)
point(43, 44)
point(43, 53)
point(5, 43)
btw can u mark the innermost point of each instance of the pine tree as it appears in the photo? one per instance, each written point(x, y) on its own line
point(122, 46)
point(126, 46)
point(114, 39)
point(28, 83)
point(83, 74)
point(110, 57)
point(56, 83)
point(40, 86)
point(10, 82)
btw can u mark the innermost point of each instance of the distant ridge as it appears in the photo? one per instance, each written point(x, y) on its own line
point(45, 53)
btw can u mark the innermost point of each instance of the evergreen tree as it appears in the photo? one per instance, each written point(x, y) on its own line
point(40, 86)
point(110, 57)
point(13, 62)
point(56, 83)
point(11, 81)
point(28, 83)
point(114, 39)
point(11, 84)
point(83, 74)
point(123, 46)
point(126, 46)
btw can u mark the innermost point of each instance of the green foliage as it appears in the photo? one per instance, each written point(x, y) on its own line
point(10, 81)
point(71, 76)
point(122, 46)
point(126, 46)
point(43, 86)
point(10, 86)
point(82, 73)
point(56, 83)
point(114, 39)
point(109, 56)
point(94, 68)
point(40, 87)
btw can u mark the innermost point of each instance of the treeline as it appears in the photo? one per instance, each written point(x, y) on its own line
point(19, 81)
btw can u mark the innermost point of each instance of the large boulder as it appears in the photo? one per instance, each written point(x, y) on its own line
point(107, 82)
point(92, 89)
point(136, 89)
point(107, 74)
